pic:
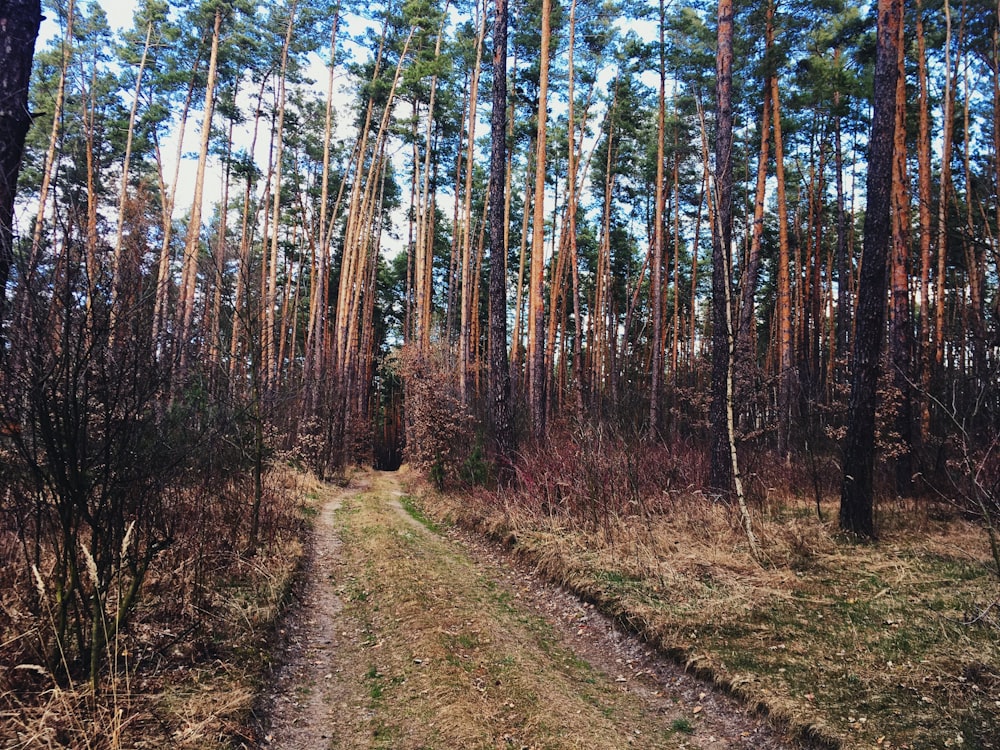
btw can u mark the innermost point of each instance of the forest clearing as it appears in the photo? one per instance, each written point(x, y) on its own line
point(690, 308)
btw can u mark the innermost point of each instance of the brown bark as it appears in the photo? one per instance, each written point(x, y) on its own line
point(319, 294)
point(675, 345)
point(126, 164)
point(744, 349)
point(925, 228)
point(241, 318)
point(271, 364)
point(571, 207)
point(656, 281)
point(975, 257)
point(50, 157)
point(900, 337)
point(536, 300)
point(844, 306)
point(721, 466)
point(944, 194)
point(192, 245)
point(219, 260)
point(169, 192)
point(468, 280)
point(786, 366)
point(601, 339)
point(856, 502)
point(424, 265)
point(516, 345)
point(19, 22)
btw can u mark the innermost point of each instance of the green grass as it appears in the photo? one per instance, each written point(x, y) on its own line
point(682, 725)
point(410, 506)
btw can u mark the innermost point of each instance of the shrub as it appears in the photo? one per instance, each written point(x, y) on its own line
point(440, 429)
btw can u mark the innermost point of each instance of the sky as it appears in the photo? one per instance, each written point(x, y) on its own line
point(120, 14)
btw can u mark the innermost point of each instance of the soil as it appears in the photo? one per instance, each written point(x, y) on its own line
point(408, 636)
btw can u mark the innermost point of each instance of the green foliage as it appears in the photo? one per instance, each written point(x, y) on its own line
point(437, 472)
point(476, 470)
point(682, 725)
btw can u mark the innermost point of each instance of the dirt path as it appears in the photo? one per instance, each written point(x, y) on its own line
point(407, 637)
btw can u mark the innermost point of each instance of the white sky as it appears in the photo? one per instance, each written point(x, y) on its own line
point(120, 15)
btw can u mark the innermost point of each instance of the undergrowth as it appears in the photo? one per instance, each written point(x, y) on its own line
point(185, 672)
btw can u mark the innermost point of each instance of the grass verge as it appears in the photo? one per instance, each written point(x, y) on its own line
point(895, 645)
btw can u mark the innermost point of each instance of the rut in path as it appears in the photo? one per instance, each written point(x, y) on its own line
point(409, 637)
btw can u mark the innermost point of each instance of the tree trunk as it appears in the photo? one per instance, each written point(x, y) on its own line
point(515, 345)
point(856, 503)
point(721, 465)
point(656, 278)
point(19, 22)
point(900, 337)
point(975, 259)
point(944, 194)
point(126, 164)
point(468, 280)
point(271, 364)
point(571, 208)
point(675, 345)
point(843, 258)
point(786, 360)
point(192, 245)
point(924, 217)
point(745, 364)
point(536, 299)
point(50, 157)
point(319, 294)
point(241, 293)
point(161, 303)
point(219, 260)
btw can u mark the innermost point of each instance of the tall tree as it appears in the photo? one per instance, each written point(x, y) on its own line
point(536, 299)
point(945, 188)
point(856, 504)
point(192, 244)
point(656, 366)
point(722, 229)
point(786, 368)
point(499, 367)
point(900, 335)
point(925, 225)
point(19, 22)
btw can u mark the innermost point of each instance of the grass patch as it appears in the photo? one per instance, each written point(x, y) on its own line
point(411, 507)
point(460, 663)
point(682, 725)
point(889, 645)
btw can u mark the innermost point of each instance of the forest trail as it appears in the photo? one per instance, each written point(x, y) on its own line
point(410, 636)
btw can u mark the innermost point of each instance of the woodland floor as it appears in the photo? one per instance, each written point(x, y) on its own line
point(407, 635)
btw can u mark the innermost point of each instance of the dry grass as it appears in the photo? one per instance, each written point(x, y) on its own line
point(189, 667)
point(889, 645)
